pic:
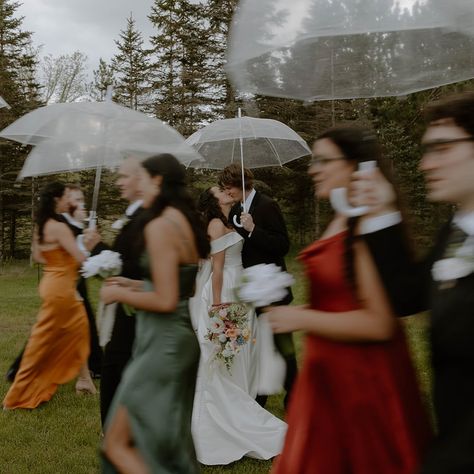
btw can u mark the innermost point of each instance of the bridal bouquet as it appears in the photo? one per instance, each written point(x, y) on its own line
point(264, 284)
point(229, 331)
point(104, 265)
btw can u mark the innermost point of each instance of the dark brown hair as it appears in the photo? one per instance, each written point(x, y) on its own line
point(232, 176)
point(174, 193)
point(208, 206)
point(47, 206)
point(358, 144)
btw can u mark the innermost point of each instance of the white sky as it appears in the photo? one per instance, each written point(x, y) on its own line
point(88, 26)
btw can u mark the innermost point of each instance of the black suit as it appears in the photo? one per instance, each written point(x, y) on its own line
point(119, 349)
point(269, 243)
point(95, 355)
point(411, 289)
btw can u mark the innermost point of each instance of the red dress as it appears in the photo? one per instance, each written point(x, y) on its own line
point(355, 408)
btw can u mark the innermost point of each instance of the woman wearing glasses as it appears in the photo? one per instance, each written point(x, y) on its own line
point(356, 407)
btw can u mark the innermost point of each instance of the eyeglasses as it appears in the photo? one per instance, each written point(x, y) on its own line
point(322, 161)
point(439, 146)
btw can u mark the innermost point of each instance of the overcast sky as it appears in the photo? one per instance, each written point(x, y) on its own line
point(88, 26)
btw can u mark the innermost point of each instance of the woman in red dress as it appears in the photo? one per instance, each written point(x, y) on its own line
point(356, 408)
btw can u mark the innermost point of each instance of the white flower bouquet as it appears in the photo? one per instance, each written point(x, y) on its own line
point(104, 265)
point(229, 331)
point(459, 265)
point(263, 285)
point(119, 224)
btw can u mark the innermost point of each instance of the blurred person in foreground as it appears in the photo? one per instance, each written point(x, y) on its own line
point(356, 406)
point(443, 281)
point(75, 218)
point(58, 346)
point(118, 344)
point(148, 427)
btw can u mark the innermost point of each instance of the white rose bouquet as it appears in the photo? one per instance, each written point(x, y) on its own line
point(264, 284)
point(459, 265)
point(104, 265)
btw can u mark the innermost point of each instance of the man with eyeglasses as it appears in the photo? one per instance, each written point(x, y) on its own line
point(444, 281)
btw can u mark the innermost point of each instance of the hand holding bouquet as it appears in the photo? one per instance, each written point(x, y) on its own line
point(263, 285)
point(104, 265)
point(229, 331)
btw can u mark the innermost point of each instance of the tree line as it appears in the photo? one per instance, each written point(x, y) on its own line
point(178, 76)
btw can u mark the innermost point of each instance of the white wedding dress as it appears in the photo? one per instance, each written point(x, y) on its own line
point(227, 422)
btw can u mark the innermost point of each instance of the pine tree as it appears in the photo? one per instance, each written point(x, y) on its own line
point(103, 78)
point(219, 14)
point(131, 67)
point(18, 63)
point(179, 64)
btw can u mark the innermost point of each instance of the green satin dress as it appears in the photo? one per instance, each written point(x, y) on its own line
point(157, 388)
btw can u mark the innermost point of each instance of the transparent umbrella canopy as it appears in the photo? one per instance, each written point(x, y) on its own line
point(325, 49)
point(83, 135)
point(4, 103)
point(252, 142)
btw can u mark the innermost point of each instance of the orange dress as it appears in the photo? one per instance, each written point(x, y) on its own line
point(59, 342)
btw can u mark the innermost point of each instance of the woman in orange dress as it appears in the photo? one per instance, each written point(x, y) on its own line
point(58, 346)
point(356, 407)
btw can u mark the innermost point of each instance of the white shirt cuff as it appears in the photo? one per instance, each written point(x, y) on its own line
point(374, 224)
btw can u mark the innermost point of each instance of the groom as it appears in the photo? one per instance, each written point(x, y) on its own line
point(265, 241)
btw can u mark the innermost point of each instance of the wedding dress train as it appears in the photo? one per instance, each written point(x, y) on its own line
point(227, 422)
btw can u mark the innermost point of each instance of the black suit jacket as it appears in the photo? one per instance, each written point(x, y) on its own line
point(123, 333)
point(412, 289)
point(269, 241)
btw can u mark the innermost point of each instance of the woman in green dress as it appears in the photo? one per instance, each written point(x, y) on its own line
point(148, 429)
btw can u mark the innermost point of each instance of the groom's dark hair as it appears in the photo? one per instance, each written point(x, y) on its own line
point(232, 176)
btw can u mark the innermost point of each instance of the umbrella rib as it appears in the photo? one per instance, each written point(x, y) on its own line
point(233, 148)
point(274, 150)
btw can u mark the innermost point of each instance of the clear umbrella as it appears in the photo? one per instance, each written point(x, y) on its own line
point(4, 103)
point(252, 142)
point(325, 49)
point(81, 135)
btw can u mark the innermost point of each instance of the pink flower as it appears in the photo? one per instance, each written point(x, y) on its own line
point(223, 313)
point(232, 332)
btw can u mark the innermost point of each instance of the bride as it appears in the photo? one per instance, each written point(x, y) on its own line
point(227, 422)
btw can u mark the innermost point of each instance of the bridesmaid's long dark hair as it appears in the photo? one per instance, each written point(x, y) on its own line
point(358, 144)
point(174, 193)
point(46, 208)
point(208, 206)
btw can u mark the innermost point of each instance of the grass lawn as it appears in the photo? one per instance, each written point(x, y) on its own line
point(62, 436)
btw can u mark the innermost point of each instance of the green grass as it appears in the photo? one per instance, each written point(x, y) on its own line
point(63, 436)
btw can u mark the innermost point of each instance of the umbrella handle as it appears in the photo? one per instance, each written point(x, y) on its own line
point(236, 223)
point(338, 196)
point(92, 220)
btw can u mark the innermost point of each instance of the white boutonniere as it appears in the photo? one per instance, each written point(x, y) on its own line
point(460, 265)
point(121, 223)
